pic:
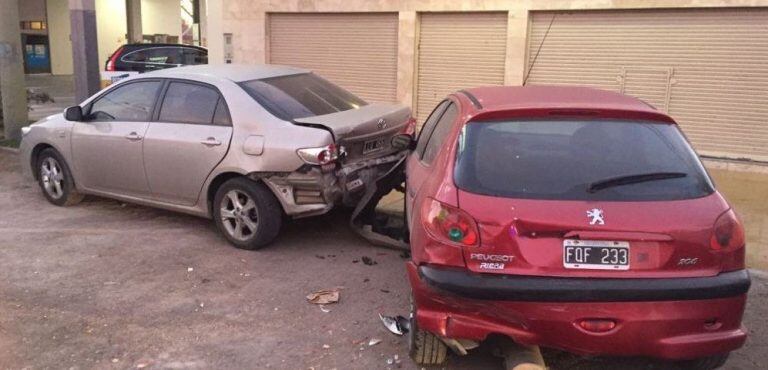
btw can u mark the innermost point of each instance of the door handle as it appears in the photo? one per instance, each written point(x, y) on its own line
point(211, 141)
point(133, 136)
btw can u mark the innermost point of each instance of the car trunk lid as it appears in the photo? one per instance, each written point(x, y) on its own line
point(527, 237)
point(365, 132)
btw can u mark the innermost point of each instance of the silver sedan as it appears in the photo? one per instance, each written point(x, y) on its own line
point(244, 145)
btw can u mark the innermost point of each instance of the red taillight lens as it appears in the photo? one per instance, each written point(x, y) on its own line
point(320, 156)
point(410, 127)
point(112, 60)
point(728, 234)
point(449, 224)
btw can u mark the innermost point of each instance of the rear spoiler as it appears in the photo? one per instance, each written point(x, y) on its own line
point(572, 112)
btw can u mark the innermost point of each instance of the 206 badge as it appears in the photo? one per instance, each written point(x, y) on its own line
point(595, 216)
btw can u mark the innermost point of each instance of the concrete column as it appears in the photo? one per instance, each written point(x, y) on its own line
point(517, 36)
point(85, 53)
point(406, 60)
point(133, 15)
point(12, 86)
point(214, 30)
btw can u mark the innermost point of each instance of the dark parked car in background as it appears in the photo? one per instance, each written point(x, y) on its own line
point(150, 57)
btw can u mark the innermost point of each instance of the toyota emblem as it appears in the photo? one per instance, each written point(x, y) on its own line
point(382, 124)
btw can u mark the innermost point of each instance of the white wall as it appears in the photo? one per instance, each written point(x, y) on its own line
point(161, 17)
point(110, 27)
point(58, 37)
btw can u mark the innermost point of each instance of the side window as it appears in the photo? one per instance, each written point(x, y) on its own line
point(193, 56)
point(189, 103)
point(439, 134)
point(164, 55)
point(429, 125)
point(221, 116)
point(131, 102)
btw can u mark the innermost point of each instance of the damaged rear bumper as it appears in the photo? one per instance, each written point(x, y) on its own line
point(313, 190)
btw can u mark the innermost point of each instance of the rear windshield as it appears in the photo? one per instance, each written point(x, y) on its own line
point(576, 160)
point(301, 95)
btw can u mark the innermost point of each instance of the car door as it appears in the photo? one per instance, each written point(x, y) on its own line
point(189, 137)
point(107, 144)
point(416, 169)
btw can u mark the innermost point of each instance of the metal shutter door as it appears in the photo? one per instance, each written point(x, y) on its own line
point(357, 51)
point(708, 68)
point(457, 51)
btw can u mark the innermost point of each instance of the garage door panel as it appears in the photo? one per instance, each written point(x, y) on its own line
point(357, 51)
point(718, 85)
point(456, 51)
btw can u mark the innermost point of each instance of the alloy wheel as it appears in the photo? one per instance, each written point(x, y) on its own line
point(52, 177)
point(239, 215)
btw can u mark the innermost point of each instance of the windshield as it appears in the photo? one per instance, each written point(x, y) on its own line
point(302, 95)
point(565, 159)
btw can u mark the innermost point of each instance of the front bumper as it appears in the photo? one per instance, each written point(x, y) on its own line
point(695, 325)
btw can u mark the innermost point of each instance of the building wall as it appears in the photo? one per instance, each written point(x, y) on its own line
point(161, 17)
point(32, 10)
point(58, 37)
point(245, 19)
point(111, 27)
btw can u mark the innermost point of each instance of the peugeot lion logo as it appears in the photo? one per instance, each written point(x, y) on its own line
point(595, 216)
point(382, 124)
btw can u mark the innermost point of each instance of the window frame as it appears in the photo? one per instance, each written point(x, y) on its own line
point(164, 90)
point(122, 57)
point(447, 134)
point(89, 106)
point(420, 151)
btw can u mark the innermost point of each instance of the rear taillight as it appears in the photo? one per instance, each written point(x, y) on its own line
point(410, 127)
point(449, 224)
point(727, 234)
point(113, 59)
point(320, 156)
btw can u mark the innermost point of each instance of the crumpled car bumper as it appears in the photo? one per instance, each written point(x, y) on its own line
point(669, 329)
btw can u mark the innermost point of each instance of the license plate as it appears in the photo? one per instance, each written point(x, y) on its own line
point(595, 254)
point(373, 145)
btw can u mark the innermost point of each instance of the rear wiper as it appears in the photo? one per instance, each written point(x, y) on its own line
point(632, 179)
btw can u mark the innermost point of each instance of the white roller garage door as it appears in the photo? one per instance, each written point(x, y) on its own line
point(708, 68)
point(457, 51)
point(357, 51)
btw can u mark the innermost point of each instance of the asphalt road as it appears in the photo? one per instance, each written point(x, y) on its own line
point(109, 285)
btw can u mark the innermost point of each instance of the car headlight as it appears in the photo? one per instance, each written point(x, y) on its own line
point(25, 130)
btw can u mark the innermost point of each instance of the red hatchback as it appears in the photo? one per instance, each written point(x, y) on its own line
point(570, 218)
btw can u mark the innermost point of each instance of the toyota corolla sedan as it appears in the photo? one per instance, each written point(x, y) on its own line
point(244, 145)
point(570, 218)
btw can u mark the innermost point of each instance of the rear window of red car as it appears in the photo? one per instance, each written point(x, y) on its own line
point(579, 160)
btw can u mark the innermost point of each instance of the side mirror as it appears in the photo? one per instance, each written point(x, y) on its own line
point(403, 141)
point(74, 113)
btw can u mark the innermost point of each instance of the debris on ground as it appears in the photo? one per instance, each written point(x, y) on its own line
point(384, 290)
point(324, 296)
point(369, 261)
point(397, 325)
point(405, 255)
point(373, 342)
point(326, 346)
point(325, 310)
point(190, 269)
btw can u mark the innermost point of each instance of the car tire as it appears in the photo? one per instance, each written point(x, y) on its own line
point(247, 213)
point(55, 179)
point(425, 348)
point(705, 363)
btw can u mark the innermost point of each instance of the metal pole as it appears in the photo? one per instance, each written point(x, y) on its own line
point(85, 54)
point(12, 86)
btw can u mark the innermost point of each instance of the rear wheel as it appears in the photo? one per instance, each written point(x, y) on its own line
point(56, 180)
point(247, 213)
point(424, 347)
point(705, 363)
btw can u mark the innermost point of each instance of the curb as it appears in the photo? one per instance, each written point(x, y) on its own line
point(9, 150)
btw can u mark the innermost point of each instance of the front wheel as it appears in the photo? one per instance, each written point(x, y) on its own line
point(55, 179)
point(247, 213)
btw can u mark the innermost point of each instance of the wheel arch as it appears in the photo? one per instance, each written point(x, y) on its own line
point(214, 186)
point(35, 155)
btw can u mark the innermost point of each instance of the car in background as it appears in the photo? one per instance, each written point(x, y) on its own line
point(570, 218)
point(243, 145)
point(150, 57)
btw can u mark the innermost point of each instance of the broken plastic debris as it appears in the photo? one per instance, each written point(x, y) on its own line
point(326, 346)
point(325, 296)
point(374, 341)
point(190, 269)
point(396, 325)
point(322, 308)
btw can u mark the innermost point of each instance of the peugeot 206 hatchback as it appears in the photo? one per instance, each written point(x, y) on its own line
point(570, 218)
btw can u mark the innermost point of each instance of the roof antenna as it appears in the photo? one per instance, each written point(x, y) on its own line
point(530, 68)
